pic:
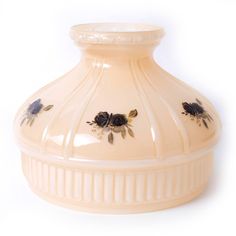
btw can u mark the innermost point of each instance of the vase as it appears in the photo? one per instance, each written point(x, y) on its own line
point(117, 134)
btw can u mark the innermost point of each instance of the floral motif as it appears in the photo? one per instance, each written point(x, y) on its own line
point(113, 123)
point(33, 110)
point(118, 120)
point(102, 119)
point(196, 111)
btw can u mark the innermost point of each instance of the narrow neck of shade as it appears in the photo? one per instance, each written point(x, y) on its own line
point(116, 40)
point(117, 52)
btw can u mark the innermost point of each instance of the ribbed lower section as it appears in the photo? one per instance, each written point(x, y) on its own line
point(118, 191)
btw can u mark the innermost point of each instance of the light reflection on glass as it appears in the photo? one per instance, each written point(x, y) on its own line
point(105, 65)
point(84, 139)
point(153, 134)
point(58, 139)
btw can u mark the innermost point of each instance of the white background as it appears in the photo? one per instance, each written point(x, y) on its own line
point(199, 47)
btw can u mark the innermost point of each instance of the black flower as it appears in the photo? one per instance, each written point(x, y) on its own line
point(33, 110)
point(35, 107)
point(113, 124)
point(197, 108)
point(193, 108)
point(118, 120)
point(196, 111)
point(102, 119)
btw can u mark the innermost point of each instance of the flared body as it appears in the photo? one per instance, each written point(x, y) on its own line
point(117, 133)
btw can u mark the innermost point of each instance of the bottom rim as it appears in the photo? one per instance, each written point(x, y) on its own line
point(125, 209)
point(105, 190)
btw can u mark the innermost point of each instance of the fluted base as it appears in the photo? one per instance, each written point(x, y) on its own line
point(114, 190)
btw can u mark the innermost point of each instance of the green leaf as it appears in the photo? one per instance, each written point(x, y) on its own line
point(23, 120)
point(210, 117)
point(116, 129)
point(47, 108)
point(31, 121)
point(110, 138)
point(198, 101)
point(123, 132)
point(133, 113)
point(130, 131)
point(28, 121)
point(204, 122)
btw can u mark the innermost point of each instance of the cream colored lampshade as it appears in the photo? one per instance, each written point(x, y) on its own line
point(117, 134)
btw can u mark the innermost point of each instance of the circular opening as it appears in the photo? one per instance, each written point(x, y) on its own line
point(120, 33)
point(115, 27)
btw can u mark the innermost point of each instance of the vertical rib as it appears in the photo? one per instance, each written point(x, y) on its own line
point(178, 123)
point(77, 117)
point(155, 129)
point(60, 107)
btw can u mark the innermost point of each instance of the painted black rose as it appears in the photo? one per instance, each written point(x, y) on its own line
point(193, 108)
point(197, 112)
point(102, 118)
point(118, 120)
point(113, 123)
point(35, 107)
